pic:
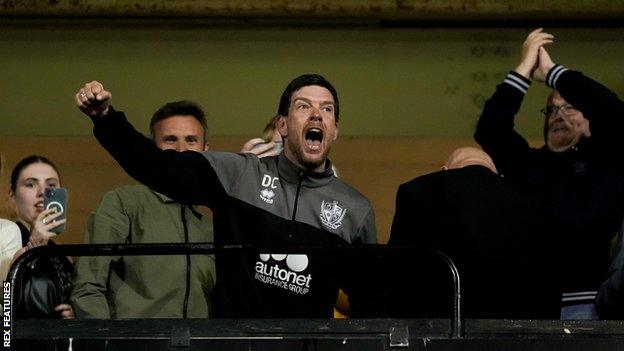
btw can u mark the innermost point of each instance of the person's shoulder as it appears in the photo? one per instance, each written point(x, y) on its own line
point(9, 231)
point(222, 161)
point(6, 222)
point(128, 196)
point(471, 170)
point(229, 156)
point(423, 180)
point(8, 226)
point(129, 191)
point(354, 195)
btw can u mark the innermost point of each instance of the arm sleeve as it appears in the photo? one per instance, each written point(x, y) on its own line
point(11, 241)
point(495, 129)
point(186, 177)
point(367, 234)
point(109, 224)
point(601, 106)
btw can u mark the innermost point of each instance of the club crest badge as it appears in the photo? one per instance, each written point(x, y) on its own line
point(332, 214)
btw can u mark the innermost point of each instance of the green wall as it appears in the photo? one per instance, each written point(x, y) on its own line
point(392, 82)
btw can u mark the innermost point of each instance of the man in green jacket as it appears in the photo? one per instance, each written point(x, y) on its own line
point(149, 286)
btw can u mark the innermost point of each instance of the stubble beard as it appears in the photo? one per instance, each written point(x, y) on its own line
point(308, 164)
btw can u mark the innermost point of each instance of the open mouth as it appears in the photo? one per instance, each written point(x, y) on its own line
point(314, 138)
point(560, 129)
point(39, 206)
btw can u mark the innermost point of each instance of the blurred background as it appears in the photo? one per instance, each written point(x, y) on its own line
point(412, 76)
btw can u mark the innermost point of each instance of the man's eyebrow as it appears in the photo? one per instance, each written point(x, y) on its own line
point(327, 102)
point(302, 99)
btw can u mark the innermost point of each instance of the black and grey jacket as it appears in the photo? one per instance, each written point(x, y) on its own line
point(581, 189)
point(257, 201)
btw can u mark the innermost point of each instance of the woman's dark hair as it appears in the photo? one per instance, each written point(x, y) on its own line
point(19, 167)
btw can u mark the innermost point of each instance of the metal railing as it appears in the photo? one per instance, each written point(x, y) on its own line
point(457, 324)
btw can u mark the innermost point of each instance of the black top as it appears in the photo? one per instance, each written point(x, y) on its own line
point(490, 231)
point(44, 284)
point(580, 190)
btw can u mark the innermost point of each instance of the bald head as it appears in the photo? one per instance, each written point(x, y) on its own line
point(469, 156)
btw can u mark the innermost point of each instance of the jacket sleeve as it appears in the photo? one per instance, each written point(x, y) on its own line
point(107, 225)
point(495, 129)
point(367, 234)
point(186, 177)
point(601, 106)
point(11, 241)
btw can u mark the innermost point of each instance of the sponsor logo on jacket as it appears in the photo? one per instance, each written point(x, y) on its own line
point(270, 270)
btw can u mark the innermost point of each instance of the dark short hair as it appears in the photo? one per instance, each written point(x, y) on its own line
point(180, 108)
point(304, 81)
point(19, 167)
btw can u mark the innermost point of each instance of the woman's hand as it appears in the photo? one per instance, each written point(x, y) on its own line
point(40, 231)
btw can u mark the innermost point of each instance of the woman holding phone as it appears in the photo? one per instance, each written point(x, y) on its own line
point(46, 283)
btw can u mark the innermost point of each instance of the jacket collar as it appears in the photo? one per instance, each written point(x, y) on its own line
point(167, 200)
point(584, 144)
point(292, 173)
point(163, 198)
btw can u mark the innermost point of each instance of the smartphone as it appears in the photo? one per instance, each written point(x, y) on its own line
point(56, 198)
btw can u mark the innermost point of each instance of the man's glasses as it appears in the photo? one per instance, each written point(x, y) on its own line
point(552, 110)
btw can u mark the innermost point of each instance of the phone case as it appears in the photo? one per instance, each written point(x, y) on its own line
point(56, 198)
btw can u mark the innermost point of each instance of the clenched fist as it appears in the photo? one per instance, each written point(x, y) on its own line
point(93, 100)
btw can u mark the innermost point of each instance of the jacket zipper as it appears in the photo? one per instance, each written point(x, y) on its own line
point(294, 215)
point(188, 265)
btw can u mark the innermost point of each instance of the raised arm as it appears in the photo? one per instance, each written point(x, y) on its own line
point(599, 105)
point(495, 129)
point(186, 177)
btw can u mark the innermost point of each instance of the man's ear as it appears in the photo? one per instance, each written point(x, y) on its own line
point(336, 132)
point(585, 128)
point(207, 146)
point(280, 124)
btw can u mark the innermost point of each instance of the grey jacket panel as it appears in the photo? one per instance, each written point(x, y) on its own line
point(271, 183)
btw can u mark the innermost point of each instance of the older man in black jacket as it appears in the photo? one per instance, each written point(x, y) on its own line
point(573, 179)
